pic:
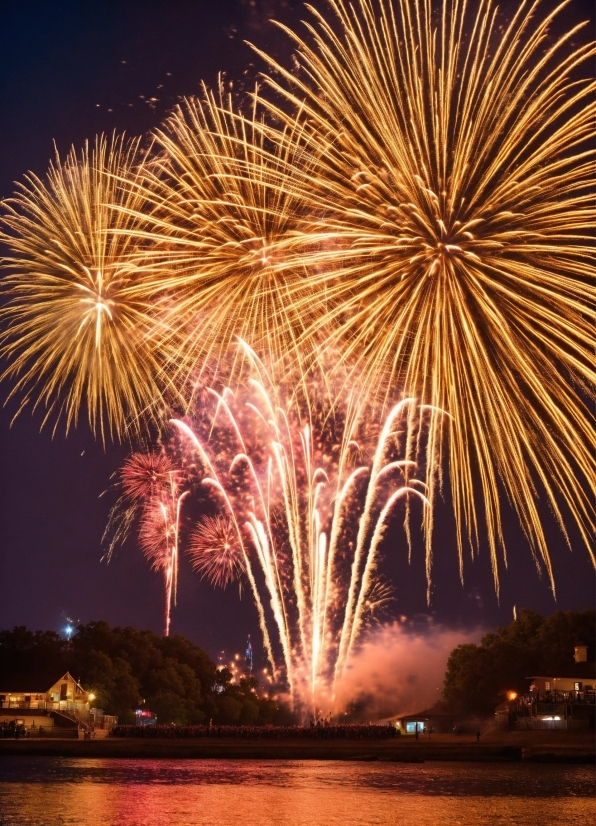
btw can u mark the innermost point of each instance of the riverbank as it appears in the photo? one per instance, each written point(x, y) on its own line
point(494, 746)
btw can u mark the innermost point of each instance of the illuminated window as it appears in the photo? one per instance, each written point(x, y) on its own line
point(411, 727)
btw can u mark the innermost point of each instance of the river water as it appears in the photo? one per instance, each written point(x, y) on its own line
point(52, 791)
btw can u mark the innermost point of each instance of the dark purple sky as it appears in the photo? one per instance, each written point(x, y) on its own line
point(69, 70)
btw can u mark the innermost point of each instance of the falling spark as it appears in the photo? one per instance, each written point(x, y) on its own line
point(152, 495)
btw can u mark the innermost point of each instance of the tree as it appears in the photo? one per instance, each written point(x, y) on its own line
point(478, 677)
point(125, 668)
point(30, 656)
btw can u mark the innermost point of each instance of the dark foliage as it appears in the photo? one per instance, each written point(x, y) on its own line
point(126, 668)
point(479, 676)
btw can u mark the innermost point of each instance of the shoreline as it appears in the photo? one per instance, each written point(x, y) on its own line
point(531, 747)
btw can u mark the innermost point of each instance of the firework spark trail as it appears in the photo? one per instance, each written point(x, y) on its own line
point(74, 334)
point(276, 471)
point(449, 219)
point(197, 446)
point(152, 495)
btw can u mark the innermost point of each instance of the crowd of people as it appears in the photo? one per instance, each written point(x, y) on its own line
point(12, 730)
point(312, 732)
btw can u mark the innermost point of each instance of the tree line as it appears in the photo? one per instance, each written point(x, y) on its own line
point(180, 683)
point(128, 669)
point(479, 677)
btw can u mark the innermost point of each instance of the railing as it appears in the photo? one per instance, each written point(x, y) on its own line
point(551, 708)
point(46, 705)
point(566, 697)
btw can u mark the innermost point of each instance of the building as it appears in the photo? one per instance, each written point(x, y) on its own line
point(61, 710)
point(564, 699)
point(66, 694)
point(430, 720)
point(578, 679)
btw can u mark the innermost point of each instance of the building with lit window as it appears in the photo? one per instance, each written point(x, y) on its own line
point(64, 705)
point(562, 699)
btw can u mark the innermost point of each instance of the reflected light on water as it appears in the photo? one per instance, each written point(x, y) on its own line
point(57, 792)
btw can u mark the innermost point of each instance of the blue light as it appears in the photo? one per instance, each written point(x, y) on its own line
point(69, 631)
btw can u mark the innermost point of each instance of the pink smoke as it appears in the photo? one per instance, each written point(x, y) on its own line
point(399, 669)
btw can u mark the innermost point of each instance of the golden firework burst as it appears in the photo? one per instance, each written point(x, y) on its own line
point(451, 224)
point(75, 336)
point(214, 237)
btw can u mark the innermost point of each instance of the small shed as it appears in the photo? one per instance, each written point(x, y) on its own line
point(432, 720)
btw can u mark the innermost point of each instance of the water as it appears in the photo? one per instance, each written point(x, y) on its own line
point(52, 791)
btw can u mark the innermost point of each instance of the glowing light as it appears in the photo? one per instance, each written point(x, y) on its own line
point(449, 221)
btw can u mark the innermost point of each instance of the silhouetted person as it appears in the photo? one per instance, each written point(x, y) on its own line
point(478, 736)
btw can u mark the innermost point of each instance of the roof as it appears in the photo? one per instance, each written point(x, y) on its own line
point(67, 676)
point(427, 713)
point(28, 686)
point(579, 671)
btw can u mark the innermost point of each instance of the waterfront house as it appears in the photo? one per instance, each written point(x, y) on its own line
point(578, 679)
point(65, 705)
point(66, 694)
point(562, 699)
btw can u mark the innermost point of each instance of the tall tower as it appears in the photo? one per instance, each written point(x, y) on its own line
point(249, 655)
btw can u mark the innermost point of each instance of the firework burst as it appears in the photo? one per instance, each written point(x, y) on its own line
point(420, 205)
point(145, 476)
point(214, 237)
point(215, 551)
point(298, 516)
point(452, 217)
point(152, 497)
point(74, 335)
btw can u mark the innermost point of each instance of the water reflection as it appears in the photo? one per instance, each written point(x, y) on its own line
point(54, 792)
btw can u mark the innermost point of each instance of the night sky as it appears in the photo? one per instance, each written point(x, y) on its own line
point(69, 70)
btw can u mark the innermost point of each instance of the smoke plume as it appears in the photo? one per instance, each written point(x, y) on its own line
point(399, 668)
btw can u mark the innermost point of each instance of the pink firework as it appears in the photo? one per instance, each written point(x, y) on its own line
point(152, 486)
point(146, 475)
point(216, 552)
point(156, 533)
